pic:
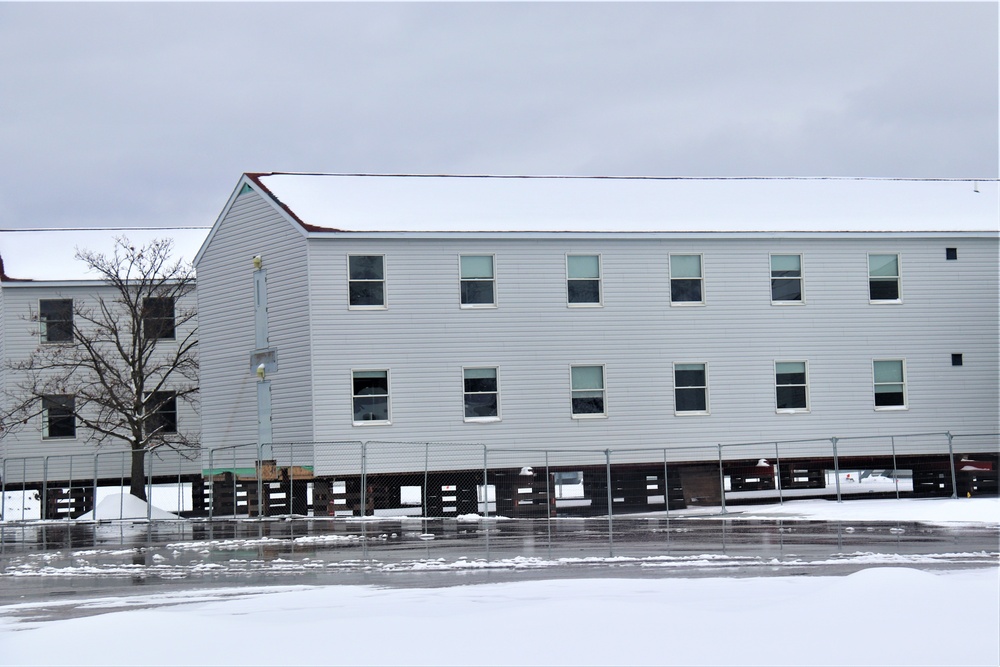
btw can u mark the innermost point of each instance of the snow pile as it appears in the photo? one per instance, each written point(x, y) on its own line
point(125, 506)
point(924, 510)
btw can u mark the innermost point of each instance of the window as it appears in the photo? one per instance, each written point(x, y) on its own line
point(956, 359)
point(588, 391)
point(482, 394)
point(883, 278)
point(690, 388)
point(366, 281)
point(163, 417)
point(951, 253)
point(477, 281)
point(786, 279)
point(56, 319)
point(58, 416)
point(158, 317)
point(791, 387)
point(371, 396)
point(890, 384)
point(685, 280)
point(583, 280)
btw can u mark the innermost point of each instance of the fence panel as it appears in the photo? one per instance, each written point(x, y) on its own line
point(437, 479)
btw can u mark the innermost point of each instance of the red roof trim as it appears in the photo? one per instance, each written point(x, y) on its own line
point(7, 279)
point(255, 177)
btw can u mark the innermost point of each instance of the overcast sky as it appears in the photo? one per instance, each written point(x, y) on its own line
point(147, 114)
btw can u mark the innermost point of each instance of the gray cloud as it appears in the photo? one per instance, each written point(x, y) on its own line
point(142, 114)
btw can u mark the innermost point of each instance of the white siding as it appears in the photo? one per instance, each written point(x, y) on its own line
point(425, 339)
point(24, 450)
point(226, 305)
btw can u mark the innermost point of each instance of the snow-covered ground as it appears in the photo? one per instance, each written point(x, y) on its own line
point(878, 616)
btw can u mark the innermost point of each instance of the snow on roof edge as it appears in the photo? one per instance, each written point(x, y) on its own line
point(414, 203)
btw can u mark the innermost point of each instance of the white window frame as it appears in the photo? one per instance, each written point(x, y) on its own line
point(898, 278)
point(802, 280)
point(388, 397)
point(705, 387)
point(45, 418)
point(791, 411)
point(701, 278)
point(906, 398)
point(600, 281)
point(461, 280)
point(603, 390)
point(385, 290)
point(498, 416)
point(43, 324)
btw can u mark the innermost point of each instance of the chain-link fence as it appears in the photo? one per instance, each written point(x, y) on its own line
point(73, 485)
point(455, 480)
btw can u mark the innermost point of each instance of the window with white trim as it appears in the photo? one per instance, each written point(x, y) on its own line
point(370, 391)
point(686, 286)
point(482, 394)
point(786, 279)
point(883, 279)
point(478, 283)
point(55, 319)
point(587, 389)
point(690, 389)
point(366, 281)
point(58, 416)
point(791, 386)
point(583, 280)
point(890, 384)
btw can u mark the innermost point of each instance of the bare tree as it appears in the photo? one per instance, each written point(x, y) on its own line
point(116, 364)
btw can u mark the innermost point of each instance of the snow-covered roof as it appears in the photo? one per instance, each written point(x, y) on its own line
point(49, 254)
point(498, 204)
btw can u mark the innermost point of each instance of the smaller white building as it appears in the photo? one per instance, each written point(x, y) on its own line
point(40, 283)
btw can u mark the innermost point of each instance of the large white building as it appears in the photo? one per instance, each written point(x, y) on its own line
point(523, 321)
point(597, 313)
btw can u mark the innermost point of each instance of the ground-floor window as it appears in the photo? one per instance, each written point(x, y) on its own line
point(371, 396)
point(588, 391)
point(58, 416)
point(691, 388)
point(890, 383)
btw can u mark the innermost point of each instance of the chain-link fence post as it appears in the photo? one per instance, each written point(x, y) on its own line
point(364, 478)
point(836, 467)
point(777, 477)
point(423, 496)
point(666, 485)
point(69, 484)
point(611, 540)
point(259, 474)
point(24, 476)
point(951, 461)
point(121, 481)
point(486, 489)
point(211, 484)
point(149, 484)
point(44, 510)
point(96, 457)
point(180, 490)
point(722, 482)
point(3, 492)
point(895, 468)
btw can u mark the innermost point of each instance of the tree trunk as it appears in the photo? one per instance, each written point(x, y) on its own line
point(138, 480)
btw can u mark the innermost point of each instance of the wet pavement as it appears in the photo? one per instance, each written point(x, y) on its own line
point(53, 560)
